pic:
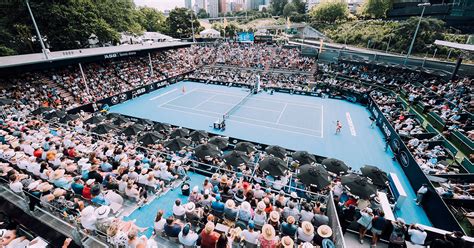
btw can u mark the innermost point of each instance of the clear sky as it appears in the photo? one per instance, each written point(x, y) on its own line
point(160, 4)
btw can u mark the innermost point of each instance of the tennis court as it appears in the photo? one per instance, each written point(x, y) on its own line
point(292, 121)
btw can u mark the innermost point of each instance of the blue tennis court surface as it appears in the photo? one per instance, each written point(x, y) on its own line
point(292, 121)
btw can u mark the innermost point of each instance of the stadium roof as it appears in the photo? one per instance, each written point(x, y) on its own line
point(33, 58)
point(466, 47)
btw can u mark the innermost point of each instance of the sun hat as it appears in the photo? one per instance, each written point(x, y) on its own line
point(59, 192)
point(196, 189)
point(87, 211)
point(293, 195)
point(102, 212)
point(190, 206)
point(261, 205)
point(245, 206)
point(287, 242)
point(268, 232)
point(324, 231)
point(257, 186)
point(290, 220)
point(230, 204)
point(90, 181)
point(224, 179)
point(45, 187)
point(306, 245)
point(33, 185)
point(209, 227)
point(274, 216)
point(308, 228)
point(58, 173)
point(214, 176)
point(369, 210)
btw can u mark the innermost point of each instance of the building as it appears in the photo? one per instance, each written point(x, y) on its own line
point(222, 6)
point(200, 4)
point(213, 8)
point(457, 13)
point(188, 4)
point(311, 3)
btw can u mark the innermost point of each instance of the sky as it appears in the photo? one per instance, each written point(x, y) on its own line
point(160, 4)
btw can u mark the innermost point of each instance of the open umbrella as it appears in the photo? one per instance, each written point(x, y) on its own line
point(207, 150)
point(133, 129)
point(378, 176)
point(144, 122)
point(55, 115)
point(177, 144)
point(102, 128)
point(41, 110)
point(358, 185)
point(335, 165)
point(198, 135)
point(314, 175)
point(276, 151)
point(236, 158)
point(161, 127)
point(246, 147)
point(220, 142)
point(150, 138)
point(6, 101)
point(68, 117)
point(273, 165)
point(111, 116)
point(94, 120)
point(303, 157)
point(179, 132)
point(119, 120)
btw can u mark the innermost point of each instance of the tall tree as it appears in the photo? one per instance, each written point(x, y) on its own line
point(289, 10)
point(375, 8)
point(330, 12)
point(179, 23)
point(278, 6)
point(151, 19)
point(300, 6)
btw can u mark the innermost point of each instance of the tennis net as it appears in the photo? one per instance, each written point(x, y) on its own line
point(237, 106)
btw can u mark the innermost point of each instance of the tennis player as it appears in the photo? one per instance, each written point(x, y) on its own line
point(338, 127)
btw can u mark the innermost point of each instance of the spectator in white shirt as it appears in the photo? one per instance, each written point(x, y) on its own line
point(417, 234)
point(178, 209)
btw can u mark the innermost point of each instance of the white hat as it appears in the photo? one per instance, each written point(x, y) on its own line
point(369, 210)
point(90, 181)
point(324, 231)
point(293, 195)
point(87, 211)
point(102, 212)
point(195, 189)
point(190, 206)
point(33, 185)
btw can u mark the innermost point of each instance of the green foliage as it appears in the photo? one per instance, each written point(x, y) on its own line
point(329, 12)
point(231, 29)
point(179, 23)
point(375, 9)
point(151, 19)
point(277, 6)
point(202, 13)
point(289, 10)
point(300, 6)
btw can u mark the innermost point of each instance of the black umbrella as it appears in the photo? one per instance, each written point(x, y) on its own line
point(246, 147)
point(358, 185)
point(276, 151)
point(220, 142)
point(236, 158)
point(144, 122)
point(378, 176)
point(180, 132)
point(68, 117)
point(198, 135)
point(119, 120)
point(161, 127)
point(6, 101)
point(205, 150)
point(335, 165)
point(273, 165)
point(94, 119)
point(41, 110)
point(177, 144)
point(55, 115)
point(102, 128)
point(314, 175)
point(133, 129)
point(111, 116)
point(303, 157)
point(150, 138)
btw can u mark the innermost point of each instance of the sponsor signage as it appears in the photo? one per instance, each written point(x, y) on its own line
point(117, 55)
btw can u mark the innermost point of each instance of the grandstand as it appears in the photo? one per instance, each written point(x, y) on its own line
point(111, 147)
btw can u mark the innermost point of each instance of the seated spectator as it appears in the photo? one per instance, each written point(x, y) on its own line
point(230, 211)
point(249, 235)
point(160, 222)
point(268, 238)
point(217, 206)
point(245, 212)
point(260, 217)
point(306, 232)
point(187, 237)
point(417, 234)
point(287, 242)
point(178, 210)
point(274, 220)
point(320, 218)
point(172, 227)
point(323, 232)
point(291, 210)
point(77, 185)
point(289, 228)
point(208, 236)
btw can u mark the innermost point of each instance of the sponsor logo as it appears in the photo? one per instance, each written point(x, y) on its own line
point(123, 97)
point(396, 144)
point(376, 113)
point(114, 100)
point(404, 158)
point(110, 56)
point(151, 87)
point(386, 130)
point(139, 91)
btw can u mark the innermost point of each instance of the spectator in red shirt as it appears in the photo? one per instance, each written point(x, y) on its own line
point(208, 236)
point(86, 191)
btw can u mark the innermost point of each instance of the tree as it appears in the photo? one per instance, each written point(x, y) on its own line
point(231, 29)
point(202, 14)
point(300, 6)
point(179, 23)
point(151, 19)
point(278, 6)
point(289, 10)
point(375, 8)
point(330, 12)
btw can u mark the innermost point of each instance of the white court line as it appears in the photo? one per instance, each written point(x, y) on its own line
point(178, 97)
point(261, 98)
point(243, 106)
point(207, 100)
point(351, 125)
point(281, 113)
point(241, 117)
point(246, 123)
point(322, 121)
point(164, 94)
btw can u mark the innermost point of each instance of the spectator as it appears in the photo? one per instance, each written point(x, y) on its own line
point(417, 234)
point(306, 232)
point(378, 225)
point(178, 210)
point(208, 236)
point(187, 237)
point(289, 228)
point(249, 235)
point(172, 227)
point(365, 222)
point(160, 222)
point(268, 238)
